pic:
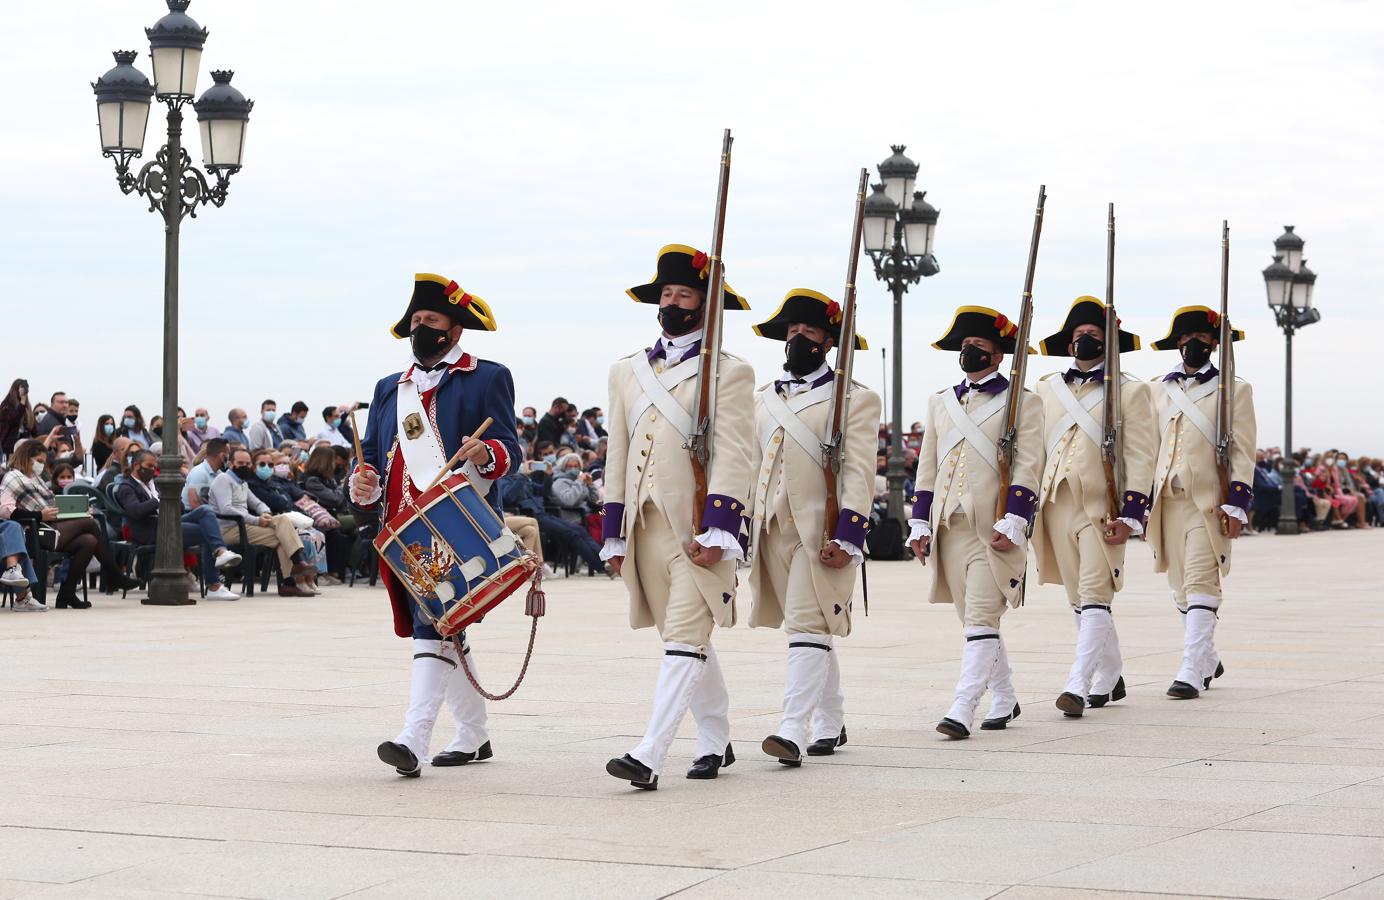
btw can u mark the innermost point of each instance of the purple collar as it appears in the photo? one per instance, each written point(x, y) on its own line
point(995, 385)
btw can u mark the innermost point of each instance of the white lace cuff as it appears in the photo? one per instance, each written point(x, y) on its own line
point(919, 528)
point(365, 501)
point(857, 556)
point(1135, 526)
point(613, 547)
point(719, 537)
point(1013, 527)
point(1235, 512)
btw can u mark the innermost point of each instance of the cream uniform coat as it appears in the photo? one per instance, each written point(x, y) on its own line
point(1073, 457)
point(964, 476)
point(1188, 455)
point(646, 464)
point(790, 491)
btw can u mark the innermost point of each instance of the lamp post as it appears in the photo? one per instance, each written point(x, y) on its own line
point(899, 227)
point(174, 188)
point(1289, 283)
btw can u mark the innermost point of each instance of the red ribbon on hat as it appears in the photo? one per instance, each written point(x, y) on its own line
point(1212, 317)
point(702, 263)
point(451, 290)
point(834, 313)
point(1002, 323)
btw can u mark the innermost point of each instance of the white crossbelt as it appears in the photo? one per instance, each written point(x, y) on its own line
point(1078, 413)
point(1185, 401)
point(785, 415)
point(658, 392)
point(423, 454)
point(968, 427)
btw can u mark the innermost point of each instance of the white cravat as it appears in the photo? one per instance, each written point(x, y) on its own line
point(426, 380)
point(791, 389)
point(675, 347)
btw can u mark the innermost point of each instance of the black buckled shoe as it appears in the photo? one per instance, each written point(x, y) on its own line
point(460, 758)
point(705, 768)
point(953, 729)
point(827, 746)
point(1096, 701)
point(1181, 690)
point(1220, 670)
point(1000, 723)
point(1072, 706)
point(401, 758)
point(783, 750)
point(627, 768)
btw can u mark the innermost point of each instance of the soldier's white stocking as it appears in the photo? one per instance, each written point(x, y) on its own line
point(711, 708)
point(467, 707)
point(830, 715)
point(1199, 645)
point(427, 688)
point(1096, 630)
point(1111, 663)
point(809, 659)
point(681, 669)
point(1003, 698)
point(977, 665)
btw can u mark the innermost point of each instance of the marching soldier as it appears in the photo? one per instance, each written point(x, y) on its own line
point(1075, 543)
point(680, 582)
point(979, 564)
point(419, 418)
point(801, 580)
point(1192, 523)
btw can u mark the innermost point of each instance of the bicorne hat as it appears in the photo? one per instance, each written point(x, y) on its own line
point(1191, 319)
point(1084, 311)
point(806, 307)
point(686, 266)
point(980, 322)
point(440, 294)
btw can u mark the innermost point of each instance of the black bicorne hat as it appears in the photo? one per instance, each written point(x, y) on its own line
point(686, 266)
point(806, 307)
point(1084, 311)
point(980, 322)
point(1190, 320)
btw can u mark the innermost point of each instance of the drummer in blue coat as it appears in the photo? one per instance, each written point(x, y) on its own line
point(419, 419)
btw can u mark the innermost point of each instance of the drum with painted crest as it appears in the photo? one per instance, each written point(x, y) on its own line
point(454, 555)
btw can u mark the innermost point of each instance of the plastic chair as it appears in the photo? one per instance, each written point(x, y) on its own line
point(256, 561)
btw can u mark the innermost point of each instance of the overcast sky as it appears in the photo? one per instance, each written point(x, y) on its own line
point(540, 153)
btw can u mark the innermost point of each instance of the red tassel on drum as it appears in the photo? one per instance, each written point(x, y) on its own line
point(536, 603)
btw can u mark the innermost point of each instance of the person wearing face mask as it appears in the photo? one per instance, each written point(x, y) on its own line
point(528, 425)
point(291, 422)
point(264, 434)
point(215, 453)
point(420, 419)
point(1074, 543)
point(26, 495)
point(139, 503)
point(1191, 525)
point(800, 584)
point(235, 432)
point(334, 426)
point(574, 491)
point(978, 561)
point(230, 497)
point(201, 430)
point(681, 582)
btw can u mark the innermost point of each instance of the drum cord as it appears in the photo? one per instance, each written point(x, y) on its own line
point(534, 606)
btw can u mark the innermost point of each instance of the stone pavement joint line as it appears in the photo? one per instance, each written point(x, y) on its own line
point(227, 750)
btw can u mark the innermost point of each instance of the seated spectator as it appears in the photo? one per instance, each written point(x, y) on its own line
point(231, 497)
point(18, 573)
point(101, 445)
point(132, 427)
point(522, 492)
point(572, 490)
point(235, 432)
point(265, 434)
point(528, 425)
point(291, 422)
point(63, 476)
point(331, 433)
point(139, 502)
point(17, 419)
point(201, 429)
point(325, 482)
point(1268, 493)
point(25, 495)
point(115, 463)
point(553, 423)
point(197, 488)
point(283, 498)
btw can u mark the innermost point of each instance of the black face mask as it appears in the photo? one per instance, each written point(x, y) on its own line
point(804, 355)
point(1088, 347)
point(146, 475)
point(243, 472)
point(974, 359)
point(428, 342)
point(678, 321)
point(1196, 353)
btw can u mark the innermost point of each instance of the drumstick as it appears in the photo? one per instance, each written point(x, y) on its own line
point(355, 439)
point(447, 469)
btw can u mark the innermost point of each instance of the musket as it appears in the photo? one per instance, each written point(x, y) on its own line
point(1111, 453)
point(698, 443)
point(1225, 388)
point(1013, 406)
point(834, 446)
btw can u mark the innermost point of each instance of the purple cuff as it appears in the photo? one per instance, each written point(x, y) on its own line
point(1135, 505)
point(612, 520)
point(1241, 495)
point(922, 505)
point(723, 512)
point(1021, 502)
point(851, 526)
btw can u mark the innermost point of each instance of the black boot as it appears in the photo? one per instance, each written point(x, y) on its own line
point(827, 746)
point(1096, 701)
point(1181, 690)
point(627, 768)
point(1220, 670)
point(401, 758)
point(460, 758)
point(784, 750)
point(999, 723)
point(67, 598)
point(704, 768)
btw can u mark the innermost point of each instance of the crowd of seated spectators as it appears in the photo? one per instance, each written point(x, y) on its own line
point(1331, 490)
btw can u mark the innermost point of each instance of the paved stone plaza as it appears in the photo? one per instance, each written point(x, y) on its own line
point(229, 750)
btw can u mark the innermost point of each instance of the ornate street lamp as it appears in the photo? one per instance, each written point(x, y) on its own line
point(1289, 284)
point(898, 233)
point(174, 188)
